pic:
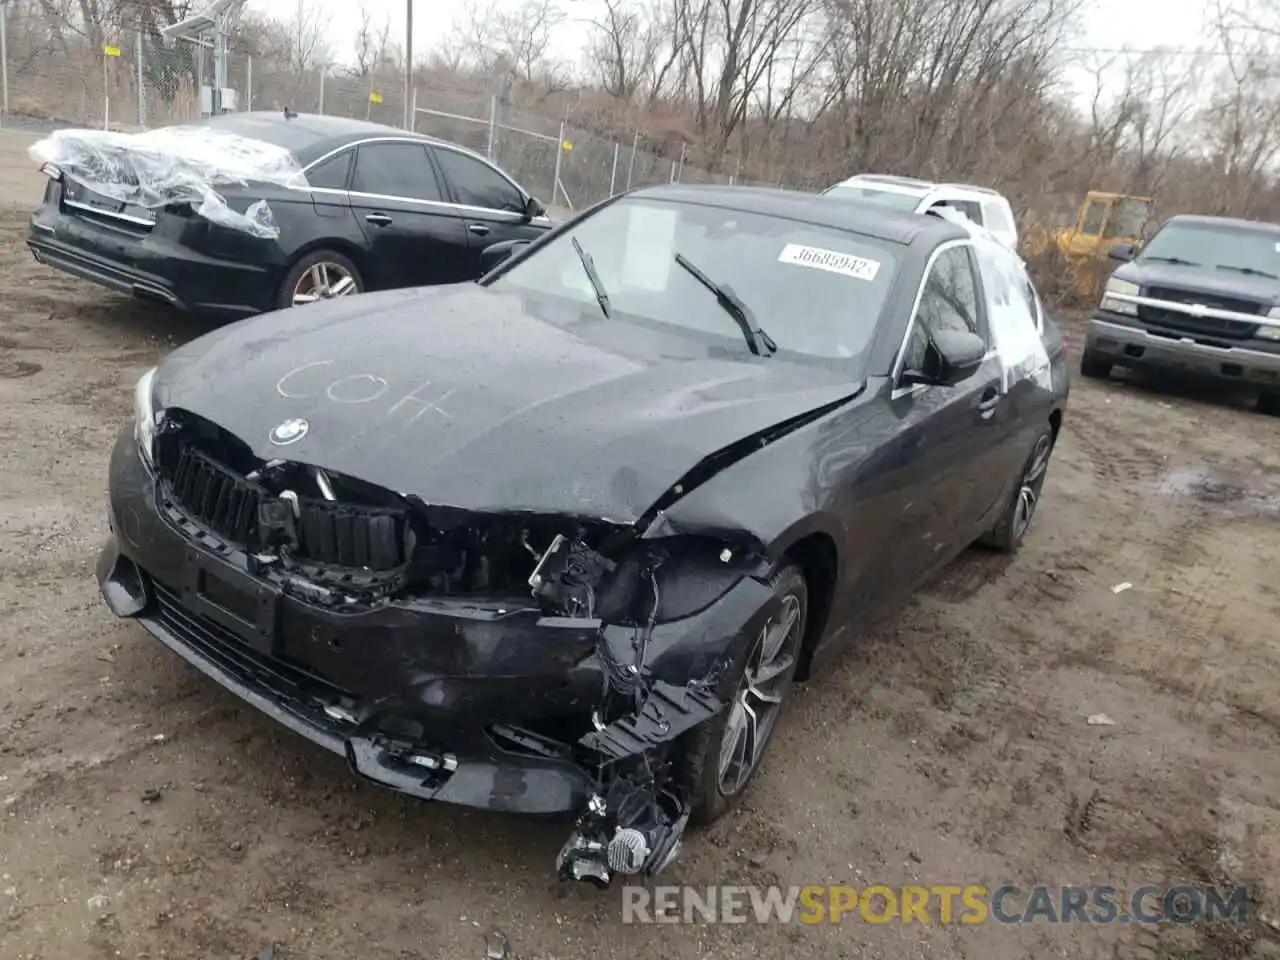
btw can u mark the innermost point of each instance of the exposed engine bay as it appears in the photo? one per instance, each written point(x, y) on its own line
point(338, 542)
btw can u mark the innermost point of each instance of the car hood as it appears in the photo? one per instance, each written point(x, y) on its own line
point(1223, 283)
point(466, 398)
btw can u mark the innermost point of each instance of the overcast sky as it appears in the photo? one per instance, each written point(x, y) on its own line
point(1109, 23)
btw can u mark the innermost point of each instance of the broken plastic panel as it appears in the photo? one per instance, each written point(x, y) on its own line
point(171, 165)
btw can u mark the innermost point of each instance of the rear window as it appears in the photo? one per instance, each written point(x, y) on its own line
point(816, 291)
point(293, 135)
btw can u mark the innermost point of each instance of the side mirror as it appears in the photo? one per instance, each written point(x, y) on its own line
point(952, 356)
point(499, 252)
point(1124, 252)
point(533, 208)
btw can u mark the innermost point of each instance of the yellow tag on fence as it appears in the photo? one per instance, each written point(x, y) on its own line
point(568, 146)
point(111, 51)
point(375, 97)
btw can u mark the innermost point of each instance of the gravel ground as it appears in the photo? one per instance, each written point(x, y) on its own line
point(148, 814)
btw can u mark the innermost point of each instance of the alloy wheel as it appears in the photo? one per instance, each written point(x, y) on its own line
point(754, 710)
point(1032, 483)
point(323, 281)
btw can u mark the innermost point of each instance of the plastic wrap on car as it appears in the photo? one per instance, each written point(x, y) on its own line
point(182, 164)
point(1016, 332)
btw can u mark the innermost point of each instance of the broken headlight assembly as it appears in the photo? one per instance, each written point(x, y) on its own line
point(146, 416)
point(638, 814)
point(644, 582)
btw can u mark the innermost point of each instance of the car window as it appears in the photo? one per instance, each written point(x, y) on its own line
point(970, 208)
point(477, 184)
point(1093, 218)
point(331, 174)
point(1034, 306)
point(396, 170)
point(1014, 318)
point(817, 291)
point(998, 217)
point(949, 301)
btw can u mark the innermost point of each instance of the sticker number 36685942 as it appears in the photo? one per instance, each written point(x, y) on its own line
point(832, 261)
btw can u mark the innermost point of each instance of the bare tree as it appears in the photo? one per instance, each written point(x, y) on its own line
point(1259, 17)
point(924, 86)
point(1161, 101)
point(799, 92)
point(308, 48)
point(1242, 121)
point(517, 37)
point(625, 51)
point(727, 49)
point(372, 44)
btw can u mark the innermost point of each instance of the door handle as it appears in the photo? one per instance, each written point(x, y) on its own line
point(479, 229)
point(378, 219)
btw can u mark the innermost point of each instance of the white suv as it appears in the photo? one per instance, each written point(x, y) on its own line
point(983, 206)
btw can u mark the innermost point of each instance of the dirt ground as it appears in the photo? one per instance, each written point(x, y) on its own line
point(147, 814)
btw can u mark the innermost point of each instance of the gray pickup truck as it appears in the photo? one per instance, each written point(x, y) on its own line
point(1201, 297)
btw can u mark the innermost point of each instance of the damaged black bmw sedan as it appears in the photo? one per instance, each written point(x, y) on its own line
point(559, 541)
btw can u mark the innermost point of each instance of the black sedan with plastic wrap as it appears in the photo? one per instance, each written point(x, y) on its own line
point(241, 213)
point(560, 540)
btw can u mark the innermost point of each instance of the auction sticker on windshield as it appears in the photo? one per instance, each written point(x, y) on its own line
point(830, 260)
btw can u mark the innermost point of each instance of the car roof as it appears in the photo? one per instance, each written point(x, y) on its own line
point(1201, 220)
point(880, 223)
point(308, 136)
point(916, 185)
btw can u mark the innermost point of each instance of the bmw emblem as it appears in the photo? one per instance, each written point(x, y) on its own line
point(291, 431)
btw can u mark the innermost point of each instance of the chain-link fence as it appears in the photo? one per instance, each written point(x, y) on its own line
point(129, 79)
point(554, 159)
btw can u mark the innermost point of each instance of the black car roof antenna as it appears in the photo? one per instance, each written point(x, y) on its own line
point(289, 114)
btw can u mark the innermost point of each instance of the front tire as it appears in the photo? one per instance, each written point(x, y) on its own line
point(720, 757)
point(1269, 404)
point(1008, 533)
point(320, 275)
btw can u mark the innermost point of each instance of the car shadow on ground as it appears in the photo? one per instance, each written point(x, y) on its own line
point(147, 321)
point(1190, 389)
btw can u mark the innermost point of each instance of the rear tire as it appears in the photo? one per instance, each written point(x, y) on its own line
point(1094, 366)
point(320, 275)
point(1269, 404)
point(699, 768)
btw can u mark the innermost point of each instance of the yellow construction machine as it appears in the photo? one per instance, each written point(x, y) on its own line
point(1080, 251)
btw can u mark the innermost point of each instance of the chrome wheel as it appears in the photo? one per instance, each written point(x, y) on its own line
point(323, 281)
point(754, 710)
point(1024, 507)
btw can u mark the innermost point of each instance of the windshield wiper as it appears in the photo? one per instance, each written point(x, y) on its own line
point(732, 304)
point(1177, 261)
point(1248, 271)
point(589, 265)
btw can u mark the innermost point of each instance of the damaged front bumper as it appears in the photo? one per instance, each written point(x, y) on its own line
point(470, 703)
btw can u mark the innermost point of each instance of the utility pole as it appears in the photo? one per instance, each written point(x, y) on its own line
point(408, 65)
